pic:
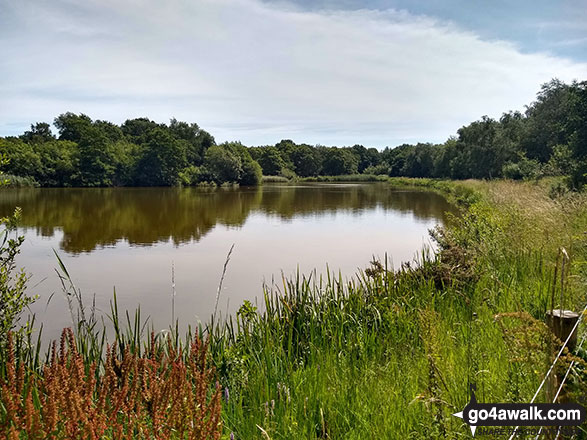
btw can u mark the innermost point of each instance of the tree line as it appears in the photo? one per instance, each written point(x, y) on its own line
point(140, 152)
point(548, 138)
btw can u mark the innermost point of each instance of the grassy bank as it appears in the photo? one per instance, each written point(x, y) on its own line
point(389, 353)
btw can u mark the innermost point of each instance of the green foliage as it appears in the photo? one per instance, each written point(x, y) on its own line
point(252, 173)
point(24, 160)
point(270, 160)
point(391, 353)
point(71, 126)
point(39, 132)
point(377, 170)
point(196, 141)
point(338, 161)
point(13, 297)
point(223, 164)
point(60, 163)
point(96, 163)
point(125, 157)
point(231, 162)
point(367, 157)
point(275, 179)
point(162, 158)
point(306, 161)
point(190, 175)
point(12, 181)
point(524, 168)
point(548, 139)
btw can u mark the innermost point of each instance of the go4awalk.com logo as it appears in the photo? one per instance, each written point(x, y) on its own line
point(520, 414)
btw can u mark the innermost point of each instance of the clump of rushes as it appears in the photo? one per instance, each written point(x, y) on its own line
point(164, 394)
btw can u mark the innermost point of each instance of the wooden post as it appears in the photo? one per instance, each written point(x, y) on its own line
point(561, 323)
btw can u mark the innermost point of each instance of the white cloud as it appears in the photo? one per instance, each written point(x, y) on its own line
point(245, 70)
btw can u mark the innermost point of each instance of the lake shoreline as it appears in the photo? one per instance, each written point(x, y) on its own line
point(391, 352)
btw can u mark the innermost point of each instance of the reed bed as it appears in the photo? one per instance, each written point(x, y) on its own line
point(347, 178)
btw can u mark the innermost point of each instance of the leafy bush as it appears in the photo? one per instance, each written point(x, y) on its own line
point(288, 174)
point(19, 181)
point(377, 170)
point(191, 175)
point(523, 169)
point(231, 162)
point(252, 173)
point(13, 297)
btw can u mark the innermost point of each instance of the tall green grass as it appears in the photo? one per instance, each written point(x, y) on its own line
point(391, 354)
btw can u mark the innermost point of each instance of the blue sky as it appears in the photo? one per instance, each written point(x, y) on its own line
point(374, 72)
point(559, 27)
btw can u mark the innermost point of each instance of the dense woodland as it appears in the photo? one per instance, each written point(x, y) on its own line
point(548, 138)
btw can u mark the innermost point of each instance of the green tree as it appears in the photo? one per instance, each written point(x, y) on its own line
point(339, 161)
point(112, 131)
point(125, 158)
point(39, 132)
point(71, 126)
point(306, 160)
point(252, 173)
point(22, 159)
point(137, 130)
point(576, 126)
point(367, 157)
point(222, 164)
point(96, 160)
point(477, 142)
point(547, 120)
point(232, 162)
point(60, 163)
point(270, 161)
point(162, 158)
point(196, 140)
point(419, 161)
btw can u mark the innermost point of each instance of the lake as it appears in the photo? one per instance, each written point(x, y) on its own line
point(130, 239)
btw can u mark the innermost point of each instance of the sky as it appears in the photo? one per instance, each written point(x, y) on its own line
point(371, 72)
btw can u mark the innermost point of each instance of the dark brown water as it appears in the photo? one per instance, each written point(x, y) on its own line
point(129, 238)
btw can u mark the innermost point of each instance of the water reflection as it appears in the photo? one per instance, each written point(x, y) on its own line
point(128, 239)
point(95, 218)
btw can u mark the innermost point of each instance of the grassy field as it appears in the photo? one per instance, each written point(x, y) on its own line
point(387, 354)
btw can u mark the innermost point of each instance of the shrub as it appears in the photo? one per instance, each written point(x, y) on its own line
point(523, 169)
point(13, 297)
point(191, 175)
point(288, 174)
point(377, 169)
point(19, 181)
point(163, 394)
point(252, 174)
